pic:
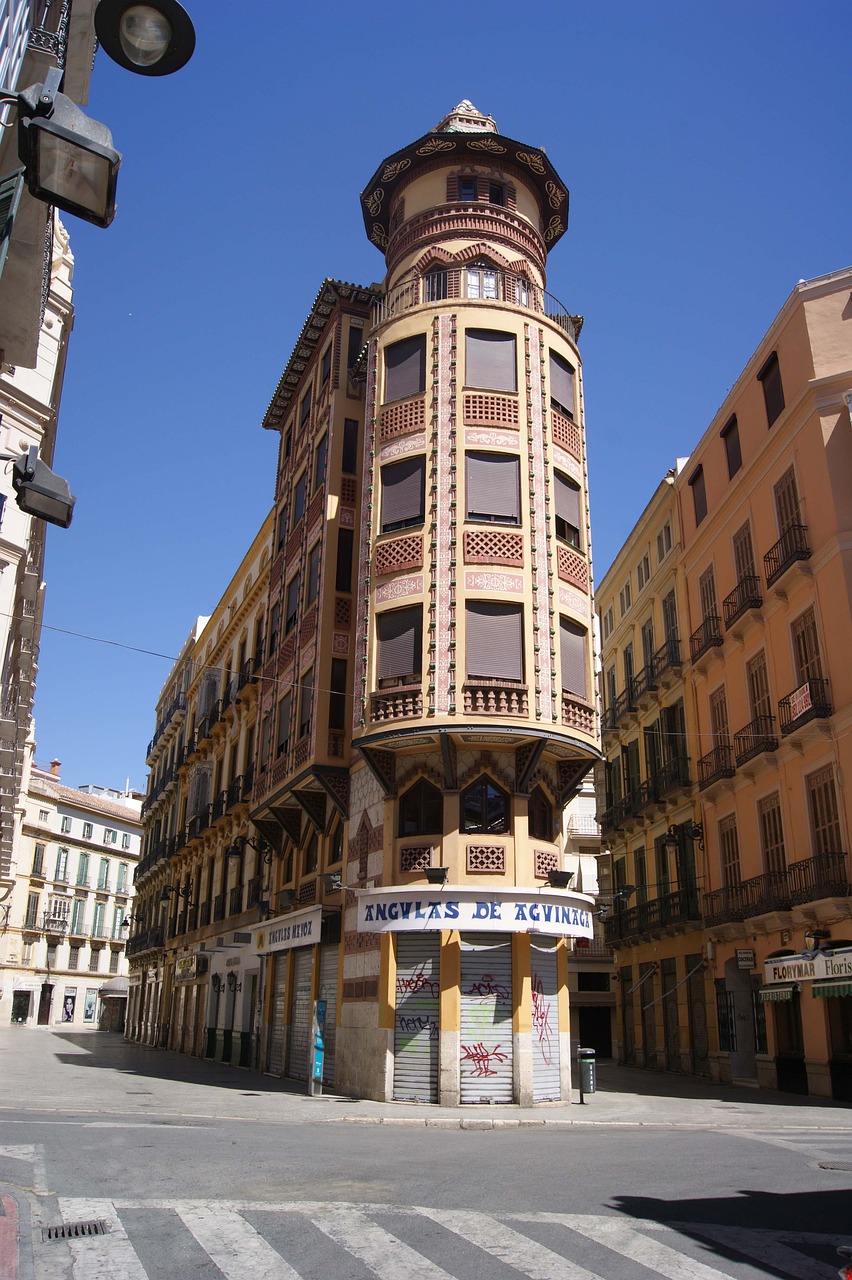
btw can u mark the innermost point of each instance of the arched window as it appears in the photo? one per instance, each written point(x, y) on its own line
point(309, 860)
point(540, 815)
point(484, 808)
point(421, 810)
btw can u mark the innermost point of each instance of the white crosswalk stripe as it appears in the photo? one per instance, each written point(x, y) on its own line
point(812, 1144)
point(375, 1235)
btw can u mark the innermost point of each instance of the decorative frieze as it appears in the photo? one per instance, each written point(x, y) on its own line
point(487, 582)
point(401, 448)
point(492, 438)
point(400, 589)
point(573, 601)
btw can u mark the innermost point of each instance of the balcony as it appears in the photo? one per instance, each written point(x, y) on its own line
point(678, 908)
point(608, 724)
point(219, 907)
point(809, 702)
point(744, 597)
point(791, 547)
point(717, 764)
point(204, 914)
point(473, 285)
point(148, 940)
point(756, 738)
point(235, 904)
point(758, 896)
point(219, 806)
point(234, 793)
point(495, 698)
point(706, 637)
point(673, 775)
point(823, 876)
point(199, 823)
point(644, 683)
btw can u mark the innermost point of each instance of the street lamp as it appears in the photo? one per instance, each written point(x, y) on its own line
point(39, 492)
point(695, 830)
point(559, 879)
point(69, 158)
point(152, 39)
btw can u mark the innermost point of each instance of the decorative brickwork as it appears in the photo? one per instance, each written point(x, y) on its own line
point(316, 507)
point(398, 419)
point(308, 627)
point(567, 434)
point(402, 704)
point(288, 648)
point(276, 571)
point(572, 568)
point(491, 546)
point(544, 861)
point(348, 492)
point(307, 892)
point(358, 942)
point(497, 698)
point(499, 411)
point(335, 743)
point(361, 988)
point(399, 555)
point(416, 857)
point(486, 858)
point(342, 612)
point(577, 715)
point(376, 838)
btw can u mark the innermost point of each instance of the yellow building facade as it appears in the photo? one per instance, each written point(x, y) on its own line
point(733, 937)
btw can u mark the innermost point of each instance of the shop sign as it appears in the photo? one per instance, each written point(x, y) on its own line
point(745, 958)
point(800, 701)
point(470, 909)
point(822, 965)
point(134, 979)
point(301, 929)
point(188, 968)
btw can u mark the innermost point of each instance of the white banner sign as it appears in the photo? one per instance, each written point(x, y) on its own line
point(804, 968)
point(300, 929)
point(468, 909)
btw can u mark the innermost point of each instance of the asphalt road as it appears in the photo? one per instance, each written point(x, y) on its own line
point(270, 1197)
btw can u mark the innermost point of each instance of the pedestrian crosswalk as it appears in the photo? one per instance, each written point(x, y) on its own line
point(812, 1144)
point(304, 1240)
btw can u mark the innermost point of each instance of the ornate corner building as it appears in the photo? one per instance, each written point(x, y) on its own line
point(425, 696)
point(726, 729)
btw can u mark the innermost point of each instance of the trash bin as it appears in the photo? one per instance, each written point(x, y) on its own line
point(586, 1064)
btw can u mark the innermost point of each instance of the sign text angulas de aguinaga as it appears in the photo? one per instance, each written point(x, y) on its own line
point(470, 909)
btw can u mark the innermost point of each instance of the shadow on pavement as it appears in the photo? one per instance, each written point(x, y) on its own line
point(615, 1078)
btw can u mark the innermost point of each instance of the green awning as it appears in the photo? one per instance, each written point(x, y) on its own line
point(834, 987)
point(778, 991)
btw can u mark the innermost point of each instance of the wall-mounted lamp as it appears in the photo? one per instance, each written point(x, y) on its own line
point(217, 982)
point(263, 847)
point(169, 891)
point(38, 491)
point(233, 985)
point(285, 898)
point(694, 830)
point(333, 882)
point(127, 922)
point(436, 875)
point(150, 39)
point(559, 879)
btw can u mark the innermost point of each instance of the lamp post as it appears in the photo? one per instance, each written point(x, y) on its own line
point(39, 492)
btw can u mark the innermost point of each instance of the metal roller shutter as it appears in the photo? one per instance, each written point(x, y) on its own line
point(277, 1032)
point(300, 1015)
point(328, 993)
point(545, 1022)
point(495, 639)
point(415, 1036)
point(486, 1019)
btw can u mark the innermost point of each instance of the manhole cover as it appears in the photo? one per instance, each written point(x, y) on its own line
point(844, 1166)
point(75, 1230)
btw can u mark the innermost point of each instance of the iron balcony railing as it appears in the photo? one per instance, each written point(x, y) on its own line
point(679, 907)
point(644, 682)
point(718, 763)
point(826, 875)
point(755, 738)
point(235, 905)
point(809, 880)
point(673, 775)
point(667, 657)
point(745, 595)
point(790, 547)
point(219, 907)
point(810, 701)
point(235, 791)
point(706, 636)
point(473, 284)
point(219, 806)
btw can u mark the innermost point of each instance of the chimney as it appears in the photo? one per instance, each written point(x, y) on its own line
point(55, 766)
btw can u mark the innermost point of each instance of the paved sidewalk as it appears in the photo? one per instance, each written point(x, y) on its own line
point(93, 1072)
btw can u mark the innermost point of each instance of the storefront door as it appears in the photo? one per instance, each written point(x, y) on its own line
point(416, 1023)
point(300, 1017)
point(486, 1019)
point(545, 1021)
point(328, 993)
point(278, 1026)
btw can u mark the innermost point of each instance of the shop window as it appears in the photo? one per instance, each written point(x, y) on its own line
point(492, 485)
point(421, 810)
point(484, 808)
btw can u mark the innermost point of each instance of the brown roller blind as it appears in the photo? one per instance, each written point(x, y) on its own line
point(405, 368)
point(490, 360)
point(400, 642)
point(561, 384)
point(402, 492)
point(495, 643)
point(493, 486)
point(567, 500)
point(572, 647)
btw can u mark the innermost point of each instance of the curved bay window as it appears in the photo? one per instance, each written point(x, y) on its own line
point(484, 808)
point(421, 810)
point(540, 815)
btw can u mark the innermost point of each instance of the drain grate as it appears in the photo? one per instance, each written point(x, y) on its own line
point(844, 1166)
point(75, 1230)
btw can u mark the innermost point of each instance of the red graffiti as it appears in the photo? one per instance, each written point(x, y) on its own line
point(488, 987)
point(541, 1018)
point(417, 982)
point(482, 1058)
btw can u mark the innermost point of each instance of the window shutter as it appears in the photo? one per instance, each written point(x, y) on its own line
point(11, 187)
point(495, 646)
point(400, 642)
point(405, 368)
point(572, 642)
point(493, 485)
point(567, 500)
point(402, 491)
point(562, 383)
point(490, 360)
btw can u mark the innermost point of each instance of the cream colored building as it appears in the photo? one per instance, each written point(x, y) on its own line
point(734, 946)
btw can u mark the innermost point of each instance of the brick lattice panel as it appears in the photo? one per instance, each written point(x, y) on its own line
point(308, 627)
point(573, 568)
point(490, 546)
point(494, 410)
point(544, 861)
point(342, 613)
point(576, 715)
point(416, 857)
point(486, 858)
point(360, 988)
point(566, 434)
point(316, 508)
point(308, 892)
point(348, 491)
point(398, 556)
point(399, 419)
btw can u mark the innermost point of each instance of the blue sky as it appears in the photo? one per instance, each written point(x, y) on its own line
point(706, 149)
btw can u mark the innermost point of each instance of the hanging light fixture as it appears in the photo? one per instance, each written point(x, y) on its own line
point(149, 39)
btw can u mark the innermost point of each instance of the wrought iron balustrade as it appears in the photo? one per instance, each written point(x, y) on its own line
point(810, 701)
point(705, 637)
point(745, 595)
point(755, 738)
point(672, 775)
point(680, 907)
point(790, 547)
point(826, 875)
point(718, 763)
